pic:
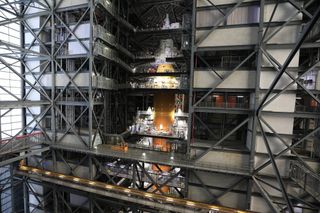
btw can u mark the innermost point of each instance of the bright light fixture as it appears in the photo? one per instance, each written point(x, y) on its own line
point(23, 168)
point(148, 195)
point(161, 127)
point(170, 199)
point(189, 203)
point(109, 186)
point(149, 111)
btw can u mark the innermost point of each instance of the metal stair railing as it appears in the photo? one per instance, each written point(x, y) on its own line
point(21, 142)
point(308, 180)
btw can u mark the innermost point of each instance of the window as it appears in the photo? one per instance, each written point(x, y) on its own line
point(10, 90)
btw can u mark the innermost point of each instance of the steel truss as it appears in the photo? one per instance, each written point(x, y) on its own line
point(86, 100)
point(130, 173)
point(49, 107)
point(256, 122)
point(53, 97)
point(100, 117)
point(96, 203)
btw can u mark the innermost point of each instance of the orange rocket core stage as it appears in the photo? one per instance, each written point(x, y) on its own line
point(164, 105)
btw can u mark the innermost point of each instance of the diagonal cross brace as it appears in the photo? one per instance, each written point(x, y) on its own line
point(290, 57)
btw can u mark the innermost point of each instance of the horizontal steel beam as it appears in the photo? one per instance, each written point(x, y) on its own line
point(156, 158)
point(107, 193)
point(157, 201)
point(21, 104)
point(33, 152)
point(223, 110)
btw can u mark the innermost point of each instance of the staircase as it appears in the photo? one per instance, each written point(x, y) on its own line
point(307, 179)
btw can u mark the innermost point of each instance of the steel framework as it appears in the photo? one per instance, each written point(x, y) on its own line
point(256, 120)
point(75, 117)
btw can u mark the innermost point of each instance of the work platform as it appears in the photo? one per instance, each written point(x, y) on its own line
point(156, 157)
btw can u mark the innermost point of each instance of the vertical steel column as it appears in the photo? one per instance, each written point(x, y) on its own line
point(53, 82)
point(191, 75)
point(256, 101)
point(91, 204)
point(191, 109)
point(0, 129)
point(91, 165)
point(186, 183)
point(117, 98)
point(105, 114)
point(126, 74)
point(91, 100)
point(23, 69)
point(134, 176)
point(55, 196)
point(53, 117)
point(12, 188)
point(55, 200)
point(91, 61)
point(25, 196)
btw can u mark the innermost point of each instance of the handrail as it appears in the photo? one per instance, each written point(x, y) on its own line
point(305, 178)
point(191, 204)
point(22, 136)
